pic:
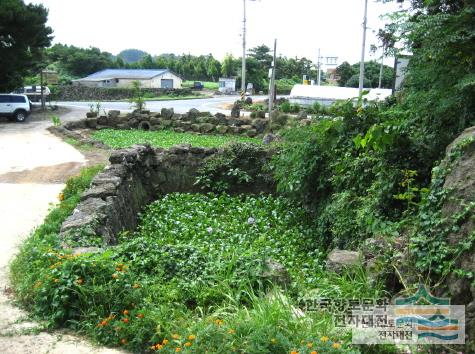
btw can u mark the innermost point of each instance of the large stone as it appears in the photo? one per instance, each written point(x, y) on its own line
point(251, 133)
point(260, 125)
point(275, 273)
point(195, 127)
point(236, 110)
point(167, 113)
point(269, 138)
point(221, 118)
point(102, 120)
point(222, 129)
point(193, 113)
point(91, 114)
point(113, 113)
point(91, 123)
point(339, 260)
point(166, 123)
point(206, 128)
point(460, 186)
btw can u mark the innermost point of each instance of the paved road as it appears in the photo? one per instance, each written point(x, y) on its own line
point(29, 149)
point(213, 105)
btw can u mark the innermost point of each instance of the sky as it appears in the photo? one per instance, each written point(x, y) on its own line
point(301, 27)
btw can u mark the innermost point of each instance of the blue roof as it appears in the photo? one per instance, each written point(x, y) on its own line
point(126, 74)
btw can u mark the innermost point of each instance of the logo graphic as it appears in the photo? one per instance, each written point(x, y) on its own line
point(432, 319)
point(418, 319)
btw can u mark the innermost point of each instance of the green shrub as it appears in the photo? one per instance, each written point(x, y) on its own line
point(239, 165)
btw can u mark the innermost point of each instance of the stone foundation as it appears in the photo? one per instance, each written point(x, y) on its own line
point(135, 178)
point(193, 121)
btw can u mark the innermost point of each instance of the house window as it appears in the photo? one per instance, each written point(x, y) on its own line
point(116, 81)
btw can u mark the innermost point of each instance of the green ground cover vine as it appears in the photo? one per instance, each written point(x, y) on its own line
point(119, 139)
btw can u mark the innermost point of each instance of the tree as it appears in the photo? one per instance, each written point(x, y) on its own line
point(147, 62)
point(79, 62)
point(344, 71)
point(262, 55)
point(23, 36)
point(132, 56)
point(355, 80)
point(228, 68)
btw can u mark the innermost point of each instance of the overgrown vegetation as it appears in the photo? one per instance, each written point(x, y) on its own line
point(164, 138)
point(194, 276)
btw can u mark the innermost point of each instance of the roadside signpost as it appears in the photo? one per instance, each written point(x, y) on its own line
point(47, 77)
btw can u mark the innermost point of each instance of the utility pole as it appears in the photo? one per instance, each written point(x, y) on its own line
point(381, 72)
point(365, 21)
point(243, 74)
point(272, 81)
point(319, 74)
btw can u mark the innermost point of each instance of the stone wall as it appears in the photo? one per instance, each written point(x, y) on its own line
point(83, 93)
point(193, 121)
point(136, 177)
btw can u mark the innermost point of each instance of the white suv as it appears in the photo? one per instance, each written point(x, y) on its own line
point(15, 107)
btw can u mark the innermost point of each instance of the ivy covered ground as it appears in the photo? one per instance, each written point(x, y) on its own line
point(118, 139)
point(190, 279)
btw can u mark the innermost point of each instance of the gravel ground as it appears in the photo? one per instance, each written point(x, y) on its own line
point(33, 167)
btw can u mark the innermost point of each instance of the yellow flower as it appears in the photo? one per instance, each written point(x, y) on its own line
point(158, 347)
point(165, 341)
point(115, 276)
point(191, 337)
point(136, 286)
point(188, 344)
point(294, 352)
point(175, 336)
point(302, 341)
point(219, 322)
point(231, 331)
point(56, 280)
point(313, 352)
point(336, 345)
point(309, 345)
point(324, 339)
point(273, 340)
point(61, 196)
point(177, 350)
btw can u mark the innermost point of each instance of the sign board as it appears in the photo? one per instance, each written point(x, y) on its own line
point(50, 77)
point(401, 64)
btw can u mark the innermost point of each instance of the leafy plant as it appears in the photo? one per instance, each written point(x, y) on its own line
point(138, 100)
point(56, 121)
point(119, 139)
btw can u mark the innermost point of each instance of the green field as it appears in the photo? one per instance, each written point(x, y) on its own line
point(208, 85)
point(119, 139)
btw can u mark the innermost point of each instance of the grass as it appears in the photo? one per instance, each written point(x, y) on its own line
point(208, 85)
point(118, 139)
point(177, 98)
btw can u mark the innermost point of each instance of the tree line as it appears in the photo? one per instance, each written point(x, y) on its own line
point(25, 50)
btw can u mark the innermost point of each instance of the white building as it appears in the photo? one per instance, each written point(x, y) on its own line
point(306, 95)
point(123, 78)
point(227, 85)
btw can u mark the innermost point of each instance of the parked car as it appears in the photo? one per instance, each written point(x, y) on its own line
point(33, 92)
point(15, 107)
point(198, 85)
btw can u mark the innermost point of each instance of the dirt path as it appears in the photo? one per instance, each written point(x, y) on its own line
point(33, 167)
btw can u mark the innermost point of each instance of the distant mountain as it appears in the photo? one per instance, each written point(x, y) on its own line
point(131, 56)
